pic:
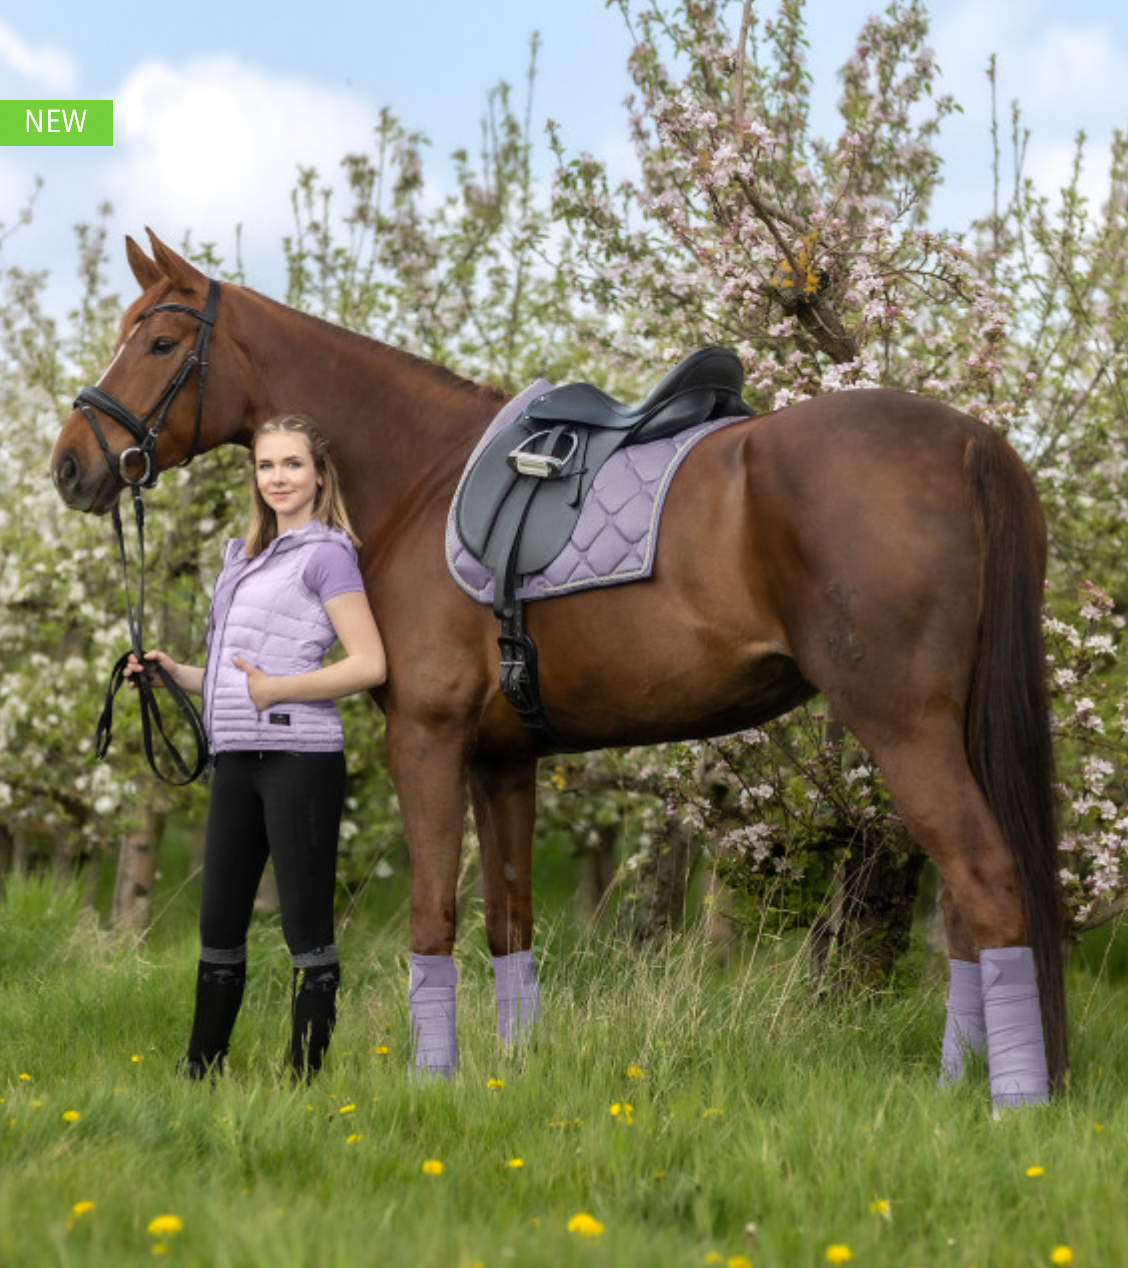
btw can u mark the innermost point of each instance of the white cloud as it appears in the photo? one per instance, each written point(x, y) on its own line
point(41, 68)
point(217, 143)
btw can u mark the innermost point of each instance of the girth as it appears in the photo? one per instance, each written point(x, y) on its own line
point(520, 502)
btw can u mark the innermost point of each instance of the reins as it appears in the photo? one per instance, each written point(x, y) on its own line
point(145, 431)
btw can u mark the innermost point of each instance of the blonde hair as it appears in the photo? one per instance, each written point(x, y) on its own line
point(329, 507)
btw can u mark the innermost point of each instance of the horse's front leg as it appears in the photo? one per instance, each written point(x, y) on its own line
point(428, 768)
point(504, 798)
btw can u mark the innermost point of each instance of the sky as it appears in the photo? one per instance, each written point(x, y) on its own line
point(218, 103)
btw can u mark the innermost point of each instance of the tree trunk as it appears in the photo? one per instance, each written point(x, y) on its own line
point(597, 860)
point(654, 898)
point(137, 866)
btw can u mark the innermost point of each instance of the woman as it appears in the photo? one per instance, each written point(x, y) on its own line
point(286, 594)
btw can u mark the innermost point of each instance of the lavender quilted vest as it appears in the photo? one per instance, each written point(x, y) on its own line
point(263, 612)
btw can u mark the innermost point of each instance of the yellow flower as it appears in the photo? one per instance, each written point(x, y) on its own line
point(838, 1254)
point(738, 1261)
point(1061, 1255)
point(165, 1226)
point(495, 1085)
point(623, 1111)
point(1035, 1172)
point(346, 1109)
point(558, 781)
point(382, 1050)
point(1098, 1127)
point(25, 1078)
point(82, 1208)
point(71, 1116)
point(714, 1257)
point(137, 1058)
point(635, 1072)
point(713, 1112)
point(515, 1164)
point(880, 1206)
point(432, 1167)
point(354, 1139)
point(585, 1225)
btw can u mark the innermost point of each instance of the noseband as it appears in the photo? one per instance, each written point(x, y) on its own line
point(146, 430)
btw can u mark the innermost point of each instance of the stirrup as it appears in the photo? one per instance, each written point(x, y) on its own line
point(545, 466)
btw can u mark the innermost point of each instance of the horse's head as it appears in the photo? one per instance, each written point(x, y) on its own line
point(148, 410)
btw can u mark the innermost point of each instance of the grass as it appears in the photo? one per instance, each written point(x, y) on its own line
point(765, 1126)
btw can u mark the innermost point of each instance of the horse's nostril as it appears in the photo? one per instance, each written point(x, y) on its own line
point(66, 473)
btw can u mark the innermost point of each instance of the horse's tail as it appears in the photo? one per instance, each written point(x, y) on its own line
point(1007, 731)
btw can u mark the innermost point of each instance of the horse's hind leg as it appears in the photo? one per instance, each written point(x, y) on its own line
point(932, 786)
point(504, 799)
point(965, 1030)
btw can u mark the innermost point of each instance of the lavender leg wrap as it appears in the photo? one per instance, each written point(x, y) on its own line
point(965, 1029)
point(517, 993)
point(1016, 1046)
point(431, 995)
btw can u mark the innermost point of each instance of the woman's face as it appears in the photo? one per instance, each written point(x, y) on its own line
point(286, 477)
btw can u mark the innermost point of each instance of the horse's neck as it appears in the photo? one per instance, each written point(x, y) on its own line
point(399, 428)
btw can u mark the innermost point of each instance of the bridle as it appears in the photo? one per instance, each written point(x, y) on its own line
point(146, 431)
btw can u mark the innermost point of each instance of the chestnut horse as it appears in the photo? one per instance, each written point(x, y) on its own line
point(878, 547)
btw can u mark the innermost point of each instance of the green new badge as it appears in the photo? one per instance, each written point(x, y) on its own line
point(56, 123)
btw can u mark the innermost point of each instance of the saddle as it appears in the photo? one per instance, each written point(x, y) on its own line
point(521, 500)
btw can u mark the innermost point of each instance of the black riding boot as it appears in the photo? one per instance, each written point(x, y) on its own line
point(313, 1014)
point(219, 995)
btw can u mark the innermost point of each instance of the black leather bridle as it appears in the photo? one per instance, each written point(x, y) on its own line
point(146, 431)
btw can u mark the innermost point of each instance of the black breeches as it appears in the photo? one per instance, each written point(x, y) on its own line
point(282, 806)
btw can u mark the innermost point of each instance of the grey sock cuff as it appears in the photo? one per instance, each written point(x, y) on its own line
point(219, 955)
point(316, 958)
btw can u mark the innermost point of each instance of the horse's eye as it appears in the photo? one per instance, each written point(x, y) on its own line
point(162, 346)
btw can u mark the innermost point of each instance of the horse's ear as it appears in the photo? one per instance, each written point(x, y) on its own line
point(144, 270)
point(180, 273)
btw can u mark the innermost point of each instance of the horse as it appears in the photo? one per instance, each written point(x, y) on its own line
point(879, 547)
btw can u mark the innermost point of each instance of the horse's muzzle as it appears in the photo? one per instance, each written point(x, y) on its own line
point(80, 488)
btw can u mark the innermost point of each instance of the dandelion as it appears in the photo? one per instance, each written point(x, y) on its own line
point(432, 1167)
point(354, 1139)
point(495, 1085)
point(82, 1208)
point(714, 1257)
point(515, 1164)
point(347, 1109)
point(585, 1225)
point(1061, 1255)
point(880, 1206)
point(1035, 1172)
point(165, 1226)
point(137, 1058)
point(622, 1111)
point(635, 1072)
point(382, 1050)
point(738, 1261)
point(25, 1078)
point(71, 1116)
point(837, 1253)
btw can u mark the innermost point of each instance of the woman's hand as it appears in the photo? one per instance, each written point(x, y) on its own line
point(187, 677)
point(260, 686)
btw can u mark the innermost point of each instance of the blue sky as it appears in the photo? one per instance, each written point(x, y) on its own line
point(216, 104)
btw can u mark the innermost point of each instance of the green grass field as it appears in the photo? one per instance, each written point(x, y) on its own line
point(764, 1126)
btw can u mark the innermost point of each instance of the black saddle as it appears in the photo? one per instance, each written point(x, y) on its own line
point(521, 500)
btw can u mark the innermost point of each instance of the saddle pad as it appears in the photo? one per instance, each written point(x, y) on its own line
point(616, 535)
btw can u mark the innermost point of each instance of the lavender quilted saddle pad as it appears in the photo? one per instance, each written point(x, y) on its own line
point(616, 535)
